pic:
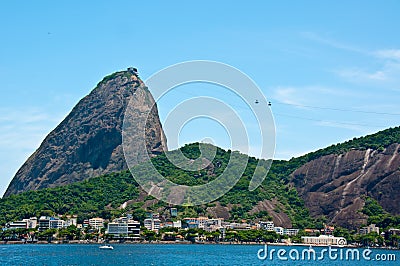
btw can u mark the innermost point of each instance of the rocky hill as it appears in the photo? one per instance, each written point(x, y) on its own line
point(87, 142)
point(114, 194)
point(336, 185)
point(332, 185)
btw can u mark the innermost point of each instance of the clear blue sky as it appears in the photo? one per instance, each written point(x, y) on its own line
point(342, 55)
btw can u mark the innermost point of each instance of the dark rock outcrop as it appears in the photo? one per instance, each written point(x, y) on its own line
point(335, 185)
point(87, 142)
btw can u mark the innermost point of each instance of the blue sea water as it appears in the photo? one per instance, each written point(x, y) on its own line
point(162, 254)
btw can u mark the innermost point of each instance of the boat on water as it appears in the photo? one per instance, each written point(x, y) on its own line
point(106, 247)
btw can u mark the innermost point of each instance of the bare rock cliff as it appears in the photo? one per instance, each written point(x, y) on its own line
point(88, 142)
point(334, 185)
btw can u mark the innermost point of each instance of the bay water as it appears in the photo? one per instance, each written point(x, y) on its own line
point(178, 254)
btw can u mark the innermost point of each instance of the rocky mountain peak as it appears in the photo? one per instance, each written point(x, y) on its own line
point(87, 143)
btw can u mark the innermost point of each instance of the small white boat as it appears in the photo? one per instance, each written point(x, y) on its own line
point(106, 247)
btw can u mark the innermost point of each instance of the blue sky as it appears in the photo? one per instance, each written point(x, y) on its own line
point(331, 70)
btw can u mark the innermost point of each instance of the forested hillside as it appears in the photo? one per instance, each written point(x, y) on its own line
point(279, 198)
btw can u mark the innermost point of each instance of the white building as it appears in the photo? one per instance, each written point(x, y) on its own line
point(96, 223)
point(117, 229)
point(25, 223)
point(123, 227)
point(156, 224)
point(31, 222)
point(369, 229)
point(71, 220)
point(46, 222)
point(213, 224)
point(152, 224)
point(56, 223)
point(269, 226)
point(290, 231)
point(202, 221)
point(177, 224)
point(324, 240)
point(148, 223)
point(17, 225)
point(239, 226)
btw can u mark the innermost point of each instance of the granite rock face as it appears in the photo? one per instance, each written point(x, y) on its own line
point(87, 143)
point(335, 185)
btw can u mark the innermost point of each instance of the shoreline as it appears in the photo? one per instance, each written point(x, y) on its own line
point(78, 242)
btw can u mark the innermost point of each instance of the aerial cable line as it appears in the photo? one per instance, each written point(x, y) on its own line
point(314, 107)
point(337, 109)
point(310, 106)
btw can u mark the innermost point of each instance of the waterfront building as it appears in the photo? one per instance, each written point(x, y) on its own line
point(269, 225)
point(168, 224)
point(17, 225)
point(324, 240)
point(71, 220)
point(133, 229)
point(369, 229)
point(31, 222)
point(394, 231)
point(56, 223)
point(24, 224)
point(117, 229)
point(46, 222)
point(124, 228)
point(213, 224)
point(152, 224)
point(96, 223)
point(201, 221)
point(290, 231)
point(239, 226)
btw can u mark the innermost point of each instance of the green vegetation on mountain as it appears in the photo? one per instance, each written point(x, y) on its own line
point(100, 196)
point(103, 196)
point(378, 141)
point(377, 215)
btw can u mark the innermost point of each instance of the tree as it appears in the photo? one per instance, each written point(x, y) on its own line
point(343, 232)
point(148, 235)
point(48, 234)
point(191, 234)
point(371, 239)
point(69, 233)
point(212, 236)
point(297, 238)
point(269, 236)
